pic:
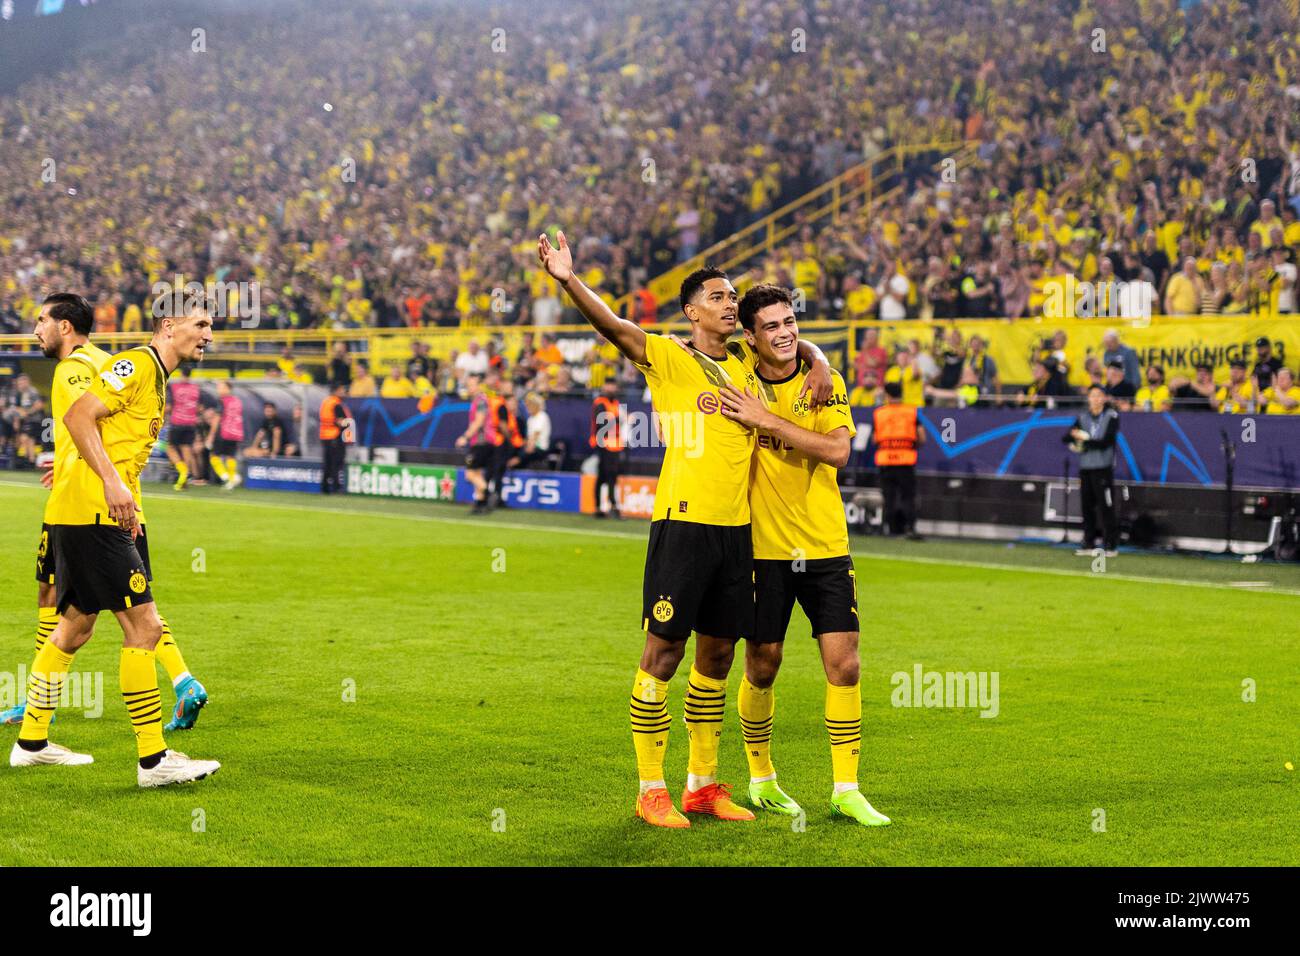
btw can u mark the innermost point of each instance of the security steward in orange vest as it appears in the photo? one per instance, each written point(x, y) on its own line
point(504, 434)
point(607, 439)
point(897, 435)
point(335, 433)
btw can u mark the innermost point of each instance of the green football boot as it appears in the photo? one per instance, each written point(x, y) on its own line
point(768, 795)
point(852, 804)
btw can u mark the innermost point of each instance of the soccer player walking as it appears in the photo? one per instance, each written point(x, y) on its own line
point(801, 552)
point(229, 435)
point(63, 331)
point(184, 424)
point(95, 515)
point(699, 561)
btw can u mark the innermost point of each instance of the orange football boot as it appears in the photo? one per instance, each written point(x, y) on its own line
point(715, 800)
point(656, 808)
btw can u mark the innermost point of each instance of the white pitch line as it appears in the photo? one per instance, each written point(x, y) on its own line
point(365, 512)
point(1065, 572)
point(640, 536)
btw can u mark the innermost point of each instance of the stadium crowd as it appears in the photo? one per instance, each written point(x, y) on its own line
point(360, 184)
point(365, 184)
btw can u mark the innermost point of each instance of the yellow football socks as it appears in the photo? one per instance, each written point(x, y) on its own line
point(219, 466)
point(844, 725)
point(169, 655)
point(706, 699)
point(139, 680)
point(44, 685)
point(650, 723)
point(47, 618)
point(756, 706)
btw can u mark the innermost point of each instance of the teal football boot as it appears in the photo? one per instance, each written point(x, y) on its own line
point(191, 696)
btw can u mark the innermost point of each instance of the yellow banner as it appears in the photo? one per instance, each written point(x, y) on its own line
point(1176, 345)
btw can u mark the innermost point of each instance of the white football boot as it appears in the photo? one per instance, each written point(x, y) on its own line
point(175, 768)
point(51, 753)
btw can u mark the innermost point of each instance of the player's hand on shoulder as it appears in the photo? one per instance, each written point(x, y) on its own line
point(819, 386)
point(556, 260)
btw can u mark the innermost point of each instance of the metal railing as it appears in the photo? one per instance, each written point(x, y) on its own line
point(862, 182)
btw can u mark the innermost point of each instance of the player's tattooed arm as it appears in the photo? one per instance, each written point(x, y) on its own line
point(748, 409)
point(82, 421)
point(628, 337)
point(818, 382)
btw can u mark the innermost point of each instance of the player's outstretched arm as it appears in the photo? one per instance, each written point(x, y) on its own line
point(832, 448)
point(82, 424)
point(628, 337)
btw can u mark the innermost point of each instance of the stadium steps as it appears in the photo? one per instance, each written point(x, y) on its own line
point(864, 183)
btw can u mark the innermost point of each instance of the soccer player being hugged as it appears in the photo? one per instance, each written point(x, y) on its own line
point(63, 331)
point(801, 551)
point(101, 555)
point(699, 562)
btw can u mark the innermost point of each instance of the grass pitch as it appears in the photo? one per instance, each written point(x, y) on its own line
point(489, 724)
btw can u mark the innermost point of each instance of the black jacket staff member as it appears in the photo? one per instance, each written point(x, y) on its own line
point(894, 428)
point(1093, 437)
point(335, 433)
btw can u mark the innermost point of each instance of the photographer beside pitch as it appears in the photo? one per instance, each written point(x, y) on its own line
point(1092, 437)
point(801, 551)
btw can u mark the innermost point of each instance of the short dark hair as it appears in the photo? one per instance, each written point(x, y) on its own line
point(72, 308)
point(694, 282)
point(894, 389)
point(759, 298)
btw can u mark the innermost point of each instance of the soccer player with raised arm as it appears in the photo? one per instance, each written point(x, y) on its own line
point(801, 551)
point(63, 331)
point(94, 513)
point(699, 562)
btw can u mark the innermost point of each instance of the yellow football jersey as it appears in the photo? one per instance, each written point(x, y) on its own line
point(705, 474)
point(72, 376)
point(1231, 406)
point(794, 499)
point(1152, 399)
point(913, 384)
point(133, 387)
point(1274, 407)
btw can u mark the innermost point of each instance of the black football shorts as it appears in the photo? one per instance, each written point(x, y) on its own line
point(698, 577)
point(826, 589)
point(99, 568)
point(45, 562)
point(179, 435)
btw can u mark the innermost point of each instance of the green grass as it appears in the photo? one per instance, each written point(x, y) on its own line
point(480, 691)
